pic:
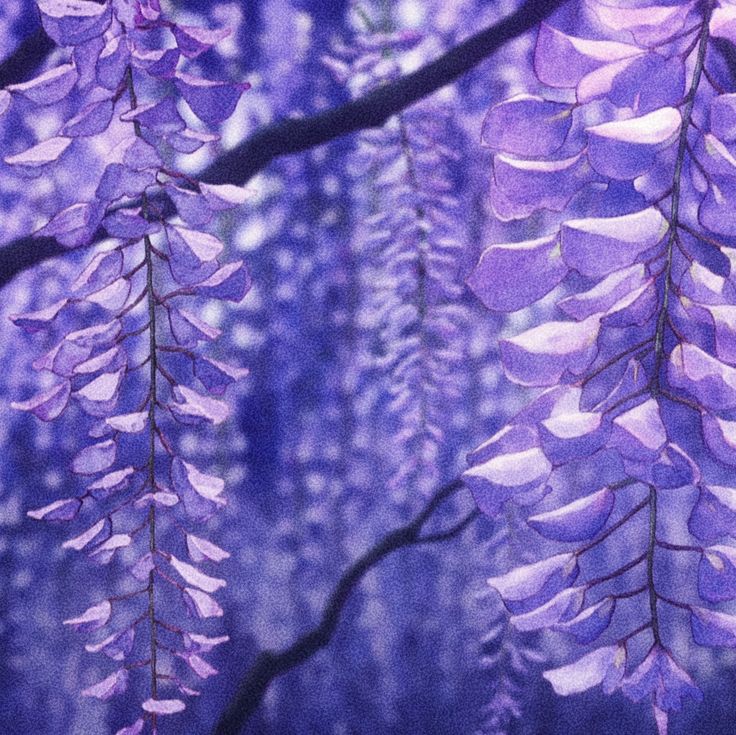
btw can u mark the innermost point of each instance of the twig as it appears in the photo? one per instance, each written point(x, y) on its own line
point(271, 664)
point(296, 135)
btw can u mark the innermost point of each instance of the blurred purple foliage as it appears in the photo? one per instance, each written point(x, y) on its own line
point(373, 370)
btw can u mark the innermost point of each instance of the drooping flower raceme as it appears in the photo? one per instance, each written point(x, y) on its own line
point(410, 364)
point(509, 657)
point(129, 333)
point(620, 463)
point(412, 329)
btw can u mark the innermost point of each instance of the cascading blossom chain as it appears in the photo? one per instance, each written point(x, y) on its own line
point(128, 356)
point(413, 333)
point(621, 462)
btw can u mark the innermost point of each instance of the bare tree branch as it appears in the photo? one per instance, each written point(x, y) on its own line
point(296, 135)
point(375, 108)
point(271, 664)
point(27, 57)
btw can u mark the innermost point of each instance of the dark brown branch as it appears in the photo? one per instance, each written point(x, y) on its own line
point(372, 110)
point(271, 664)
point(28, 56)
point(296, 135)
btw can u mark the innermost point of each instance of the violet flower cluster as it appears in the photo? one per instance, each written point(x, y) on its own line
point(509, 658)
point(128, 361)
point(412, 326)
point(620, 463)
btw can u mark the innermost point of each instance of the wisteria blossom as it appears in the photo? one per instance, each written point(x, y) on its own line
point(626, 145)
point(127, 350)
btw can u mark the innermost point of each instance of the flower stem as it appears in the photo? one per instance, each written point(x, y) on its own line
point(674, 223)
point(650, 562)
point(152, 428)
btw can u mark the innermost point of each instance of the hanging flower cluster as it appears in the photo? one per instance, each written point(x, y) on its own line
point(620, 463)
point(129, 334)
point(509, 658)
point(412, 328)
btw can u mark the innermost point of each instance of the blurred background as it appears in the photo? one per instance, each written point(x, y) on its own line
point(373, 372)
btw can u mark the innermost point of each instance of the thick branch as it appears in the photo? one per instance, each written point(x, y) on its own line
point(375, 108)
point(27, 57)
point(271, 664)
point(296, 135)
